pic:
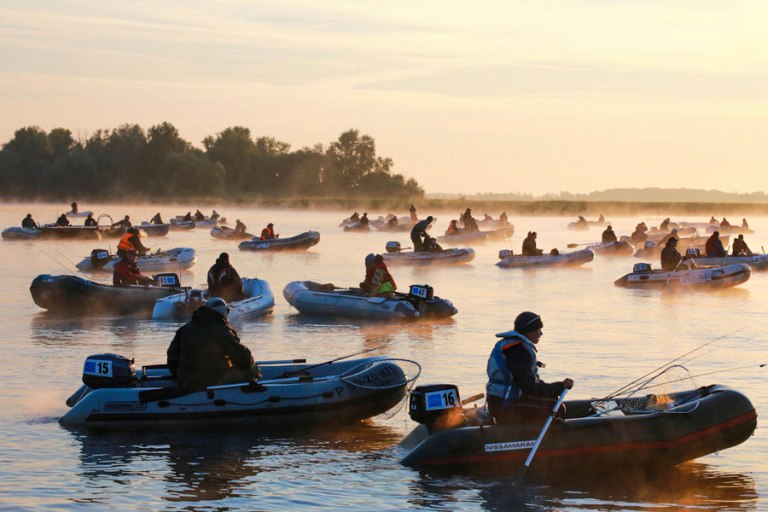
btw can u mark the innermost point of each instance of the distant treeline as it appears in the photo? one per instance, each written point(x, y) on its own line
point(630, 195)
point(131, 163)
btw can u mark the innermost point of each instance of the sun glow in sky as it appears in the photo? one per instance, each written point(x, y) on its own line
point(495, 96)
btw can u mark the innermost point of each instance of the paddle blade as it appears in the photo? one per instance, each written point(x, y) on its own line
point(571, 246)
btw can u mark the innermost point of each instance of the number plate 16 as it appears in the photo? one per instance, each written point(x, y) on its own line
point(446, 399)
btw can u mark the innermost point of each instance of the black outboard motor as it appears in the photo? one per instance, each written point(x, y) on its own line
point(437, 406)
point(99, 258)
point(168, 279)
point(641, 267)
point(108, 371)
point(693, 252)
point(393, 246)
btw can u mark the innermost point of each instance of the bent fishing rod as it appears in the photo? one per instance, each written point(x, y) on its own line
point(296, 372)
point(629, 385)
point(689, 377)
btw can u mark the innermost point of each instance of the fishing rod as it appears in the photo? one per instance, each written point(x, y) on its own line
point(298, 372)
point(655, 370)
point(753, 365)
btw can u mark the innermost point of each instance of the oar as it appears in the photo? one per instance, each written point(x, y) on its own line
point(673, 272)
point(527, 463)
point(571, 246)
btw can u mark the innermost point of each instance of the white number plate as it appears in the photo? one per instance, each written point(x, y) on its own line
point(696, 277)
point(447, 399)
point(98, 368)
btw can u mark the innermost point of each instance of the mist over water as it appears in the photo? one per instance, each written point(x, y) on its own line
point(600, 335)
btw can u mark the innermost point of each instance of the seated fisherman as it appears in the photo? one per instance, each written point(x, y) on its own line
point(206, 351)
point(126, 272)
point(515, 391)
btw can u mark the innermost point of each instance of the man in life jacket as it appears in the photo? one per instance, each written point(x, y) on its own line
point(131, 241)
point(609, 235)
point(268, 233)
point(453, 228)
point(29, 223)
point(207, 351)
point(378, 281)
point(224, 281)
point(126, 272)
point(514, 390)
point(714, 246)
point(419, 234)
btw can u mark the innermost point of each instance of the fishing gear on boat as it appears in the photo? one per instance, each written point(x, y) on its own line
point(655, 370)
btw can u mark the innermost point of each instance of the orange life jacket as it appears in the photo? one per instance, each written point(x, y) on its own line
point(125, 242)
point(267, 233)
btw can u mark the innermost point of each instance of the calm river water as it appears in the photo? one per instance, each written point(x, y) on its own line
point(600, 335)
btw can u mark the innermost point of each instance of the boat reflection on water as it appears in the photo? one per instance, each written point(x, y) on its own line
point(690, 485)
point(57, 330)
point(213, 464)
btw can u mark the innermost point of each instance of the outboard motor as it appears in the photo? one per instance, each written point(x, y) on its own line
point(505, 253)
point(693, 252)
point(393, 247)
point(649, 244)
point(641, 267)
point(99, 258)
point(108, 371)
point(169, 280)
point(420, 295)
point(437, 406)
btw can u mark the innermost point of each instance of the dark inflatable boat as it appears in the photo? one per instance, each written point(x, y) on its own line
point(640, 433)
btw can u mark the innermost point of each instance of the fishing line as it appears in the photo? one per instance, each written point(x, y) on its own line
point(690, 377)
point(629, 385)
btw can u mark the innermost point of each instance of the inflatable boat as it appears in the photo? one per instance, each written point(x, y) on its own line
point(225, 233)
point(19, 233)
point(170, 260)
point(620, 248)
point(636, 434)
point(644, 277)
point(258, 301)
point(500, 233)
point(292, 394)
point(75, 295)
point(182, 225)
point(757, 262)
point(395, 254)
point(313, 298)
point(357, 227)
point(563, 259)
point(50, 231)
point(653, 249)
point(154, 229)
point(464, 238)
point(300, 242)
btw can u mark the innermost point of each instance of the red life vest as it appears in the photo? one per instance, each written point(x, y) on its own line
point(267, 233)
point(125, 242)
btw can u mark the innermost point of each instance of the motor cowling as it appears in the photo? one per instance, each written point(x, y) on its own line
point(505, 253)
point(436, 406)
point(168, 279)
point(108, 371)
point(421, 291)
point(693, 252)
point(99, 257)
point(641, 267)
point(393, 247)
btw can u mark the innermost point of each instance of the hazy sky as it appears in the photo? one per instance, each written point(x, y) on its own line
point(490, 96)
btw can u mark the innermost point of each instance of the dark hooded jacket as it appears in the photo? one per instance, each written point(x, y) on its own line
point(205, 350)
point(224, 281)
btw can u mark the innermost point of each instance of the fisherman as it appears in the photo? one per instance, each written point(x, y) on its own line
point(714, 246)
point(62, 220)
point(453, 228)
point(664, 224)
point(126, 272)
point(724, 224)
point(638, 235)
point(199, 217)
point(355, 217)
point(470, 224)
point(268, 233)
point(744, 224)
point(740, 247)
point(156, 219)
point(131, 241)
point(671, 258)
point(713, 220)
point(601, 219)
point(419, 234)
point(529, 245)
point(514, 390)
point(503, 219)
point(239, 226)
point(609, 235)
point(187, 217)
point(207, 351)
point(74, 206)
point(29, 223)
point(224, 281)
point(90, 221)
point(378, 281)
point(364, 219)
point(215, 215)
point(124, 223)
point(412, 211)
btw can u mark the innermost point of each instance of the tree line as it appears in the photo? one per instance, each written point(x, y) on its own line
point(129, 162)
